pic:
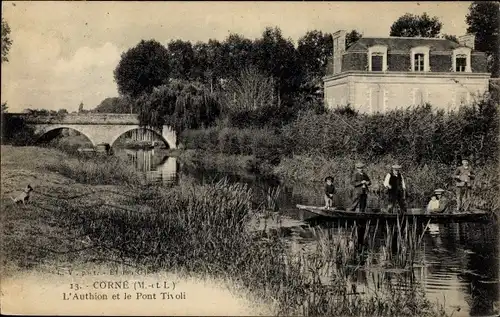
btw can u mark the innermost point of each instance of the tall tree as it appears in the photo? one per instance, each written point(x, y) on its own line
point(142, 68)
point(6, 41)
point(277, 57)
point(314, 50)
point(352, 37)
point(483, 21)
point(410, 25)
point(181, 59)
point(237, 52)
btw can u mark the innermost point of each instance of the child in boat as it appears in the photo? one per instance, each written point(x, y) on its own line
point(329, 192)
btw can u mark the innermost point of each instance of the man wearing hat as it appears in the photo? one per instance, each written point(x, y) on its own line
point(360, 181)
point(395, 184)
point(463, 177)
point(438, 202)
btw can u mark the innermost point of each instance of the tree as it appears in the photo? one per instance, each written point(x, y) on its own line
point(410, 25)
point(277, 57)
point(4, 107)
point(352, 37)
point(483, 21)
point(451, 38)
point(314, 50)
point(181, 105)
point(115, 105)
point(80, 108)
point(181, 59)
point(6, 41)
point(142, 68)
point(237, 54)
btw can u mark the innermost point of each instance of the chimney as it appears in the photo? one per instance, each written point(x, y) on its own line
point(338, 50)
point(467, 40)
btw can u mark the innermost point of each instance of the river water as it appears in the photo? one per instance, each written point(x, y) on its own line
point(458, 264)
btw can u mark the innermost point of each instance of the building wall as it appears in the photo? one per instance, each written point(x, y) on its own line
point(337, 93)
point(373, 93)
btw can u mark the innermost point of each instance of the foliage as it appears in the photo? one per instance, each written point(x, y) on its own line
point(352, 37)
point(142, 68)
point(451, 38)
point(6, 41)
point(16, 132)
point(410, 25)
point(314, 49)
point(181, 59)
point(483, 21)
point(276, 56)
point(116, 105)
point(250, 91)
point(418, 134)
point(180, 105)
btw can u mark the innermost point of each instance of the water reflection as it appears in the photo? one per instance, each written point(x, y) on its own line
point(156, 165)
point(457, 263)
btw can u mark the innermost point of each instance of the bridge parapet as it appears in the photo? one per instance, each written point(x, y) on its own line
point(90, 118)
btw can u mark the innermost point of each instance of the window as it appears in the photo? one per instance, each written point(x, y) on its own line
point(377, 62)
point(419, 64)
point(461, 63)
point(420, 59)
point(377, 58)
point(461, 60)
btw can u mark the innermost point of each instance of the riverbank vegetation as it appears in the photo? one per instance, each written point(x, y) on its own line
point(192, 229)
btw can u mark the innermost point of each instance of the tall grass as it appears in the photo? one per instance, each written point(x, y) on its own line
point(203, 229)
point(100, 170)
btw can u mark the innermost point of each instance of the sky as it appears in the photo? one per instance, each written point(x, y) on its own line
point(64, 53)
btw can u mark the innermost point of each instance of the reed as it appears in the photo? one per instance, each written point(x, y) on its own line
point(203, 229)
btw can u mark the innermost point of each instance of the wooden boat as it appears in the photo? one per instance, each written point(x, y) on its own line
point(473, 215)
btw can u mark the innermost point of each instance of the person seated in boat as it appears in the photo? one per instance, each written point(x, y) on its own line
point(329, 192)
point(395, 184)
point(463, 177)
point(438, 202)
point(360, 181)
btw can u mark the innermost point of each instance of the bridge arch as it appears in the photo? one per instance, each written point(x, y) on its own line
point(46, 133)
point(157, 133)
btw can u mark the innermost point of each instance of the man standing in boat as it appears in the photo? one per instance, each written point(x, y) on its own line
point(463, 177)
point(360, 181)
point(395, 184)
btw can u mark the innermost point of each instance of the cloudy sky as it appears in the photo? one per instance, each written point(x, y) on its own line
point(64, 53)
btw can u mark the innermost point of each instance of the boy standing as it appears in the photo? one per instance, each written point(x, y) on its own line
point(395, 184)
point(463, 177)
point(329, 191)
point(360, 181)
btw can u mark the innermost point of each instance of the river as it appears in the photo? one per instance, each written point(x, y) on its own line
point(458, 264)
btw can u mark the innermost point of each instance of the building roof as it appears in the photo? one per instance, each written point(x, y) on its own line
point(404, 43)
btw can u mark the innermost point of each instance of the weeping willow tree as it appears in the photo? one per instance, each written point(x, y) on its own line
point(180, 105)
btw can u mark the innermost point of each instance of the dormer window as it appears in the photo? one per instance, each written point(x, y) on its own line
point(377, 58)
point(461, 60)
point(420, 59)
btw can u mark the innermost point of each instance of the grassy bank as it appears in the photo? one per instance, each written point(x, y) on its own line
point(192, 229)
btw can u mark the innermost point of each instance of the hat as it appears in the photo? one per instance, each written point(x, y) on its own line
point(328, 178)
point(439, 191)
point(396, 166)
point(359, 165)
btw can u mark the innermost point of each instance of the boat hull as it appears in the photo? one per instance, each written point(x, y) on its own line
point(411, 214)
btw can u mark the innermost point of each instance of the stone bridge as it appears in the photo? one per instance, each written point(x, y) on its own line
point(99, 128)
